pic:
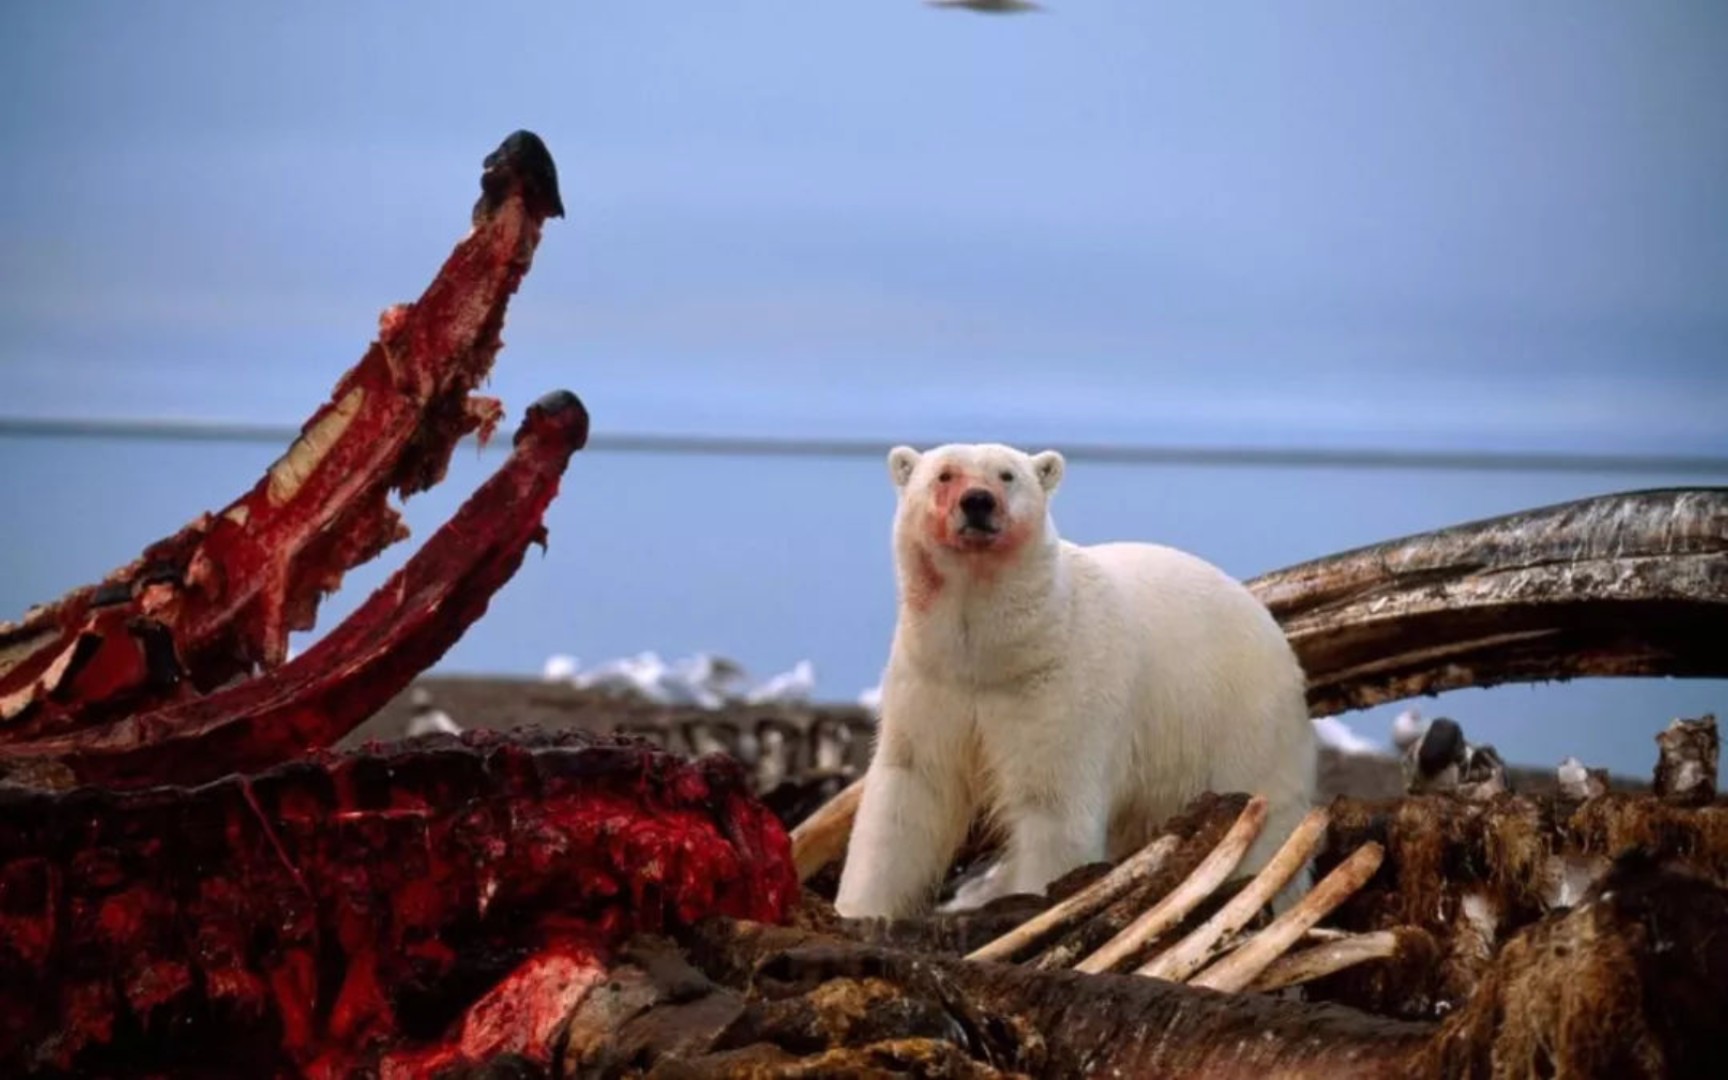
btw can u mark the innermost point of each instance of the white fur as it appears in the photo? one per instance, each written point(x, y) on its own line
point(1080, 696)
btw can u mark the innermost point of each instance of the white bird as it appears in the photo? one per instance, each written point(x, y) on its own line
point(1337, 734)
point(1578, 782)
point(988, 7)
point(1407, 728)
point(710, 680)
point(786, 688)
point(559, 668)
point(427, 717)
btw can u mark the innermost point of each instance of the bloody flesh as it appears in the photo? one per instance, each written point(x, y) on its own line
point(219, 598)
point(355, 904)
point(322, 694)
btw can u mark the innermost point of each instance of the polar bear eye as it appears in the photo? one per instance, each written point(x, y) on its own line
point(944, 476)
point(1007, 477)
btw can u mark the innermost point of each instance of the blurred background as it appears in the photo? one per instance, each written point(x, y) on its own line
point(1466, 230)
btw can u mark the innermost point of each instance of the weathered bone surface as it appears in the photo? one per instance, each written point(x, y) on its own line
point(1687, 760)
point(354, 904)
point(1626, 584)
point(219, 598)
point(1591, 993)
point(317, 697)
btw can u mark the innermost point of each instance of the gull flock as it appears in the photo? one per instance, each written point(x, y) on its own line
point(1432, 753)
point(710, 681)
point(704, 680)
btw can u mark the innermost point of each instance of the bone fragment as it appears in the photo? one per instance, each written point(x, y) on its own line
point(1192, 952)
point(1083, 904)
point(1203, 882)
point(1240, 967)
point(1325, 959)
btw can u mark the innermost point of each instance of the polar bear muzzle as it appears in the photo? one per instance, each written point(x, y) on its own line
point(978, 512)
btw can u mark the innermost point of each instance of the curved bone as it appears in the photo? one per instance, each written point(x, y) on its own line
point(1203, 882)
point(1083, 904)
point(220, 597)
point(346, 676)
point(1629, 584)
point(1188, 955)
point(1329, 958)
point(1239, 968)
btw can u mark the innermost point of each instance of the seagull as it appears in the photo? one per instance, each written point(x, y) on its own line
point(643, 675)
point(1338, 735)
point(1407, 727)
point(710, 680)
point(427, 717)
point(786, 688)
point(559, 668)
point(1578, 782)
point(988, 7)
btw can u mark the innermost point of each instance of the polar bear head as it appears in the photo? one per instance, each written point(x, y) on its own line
point(968, 499)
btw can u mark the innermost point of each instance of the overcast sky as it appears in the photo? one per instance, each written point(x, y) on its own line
point(1466, 225)
point(1462, 226)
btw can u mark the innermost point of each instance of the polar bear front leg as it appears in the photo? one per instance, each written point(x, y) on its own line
point(1048, 839)
point(909, 824)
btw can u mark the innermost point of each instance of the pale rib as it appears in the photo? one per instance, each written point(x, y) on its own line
point(1239, 968)
point(1333, 956)
point(1203, 882)
point(1083, 904)
point(821, 838)
point(1191, 953)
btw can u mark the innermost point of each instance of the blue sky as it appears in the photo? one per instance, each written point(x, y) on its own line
point(1466, 226)
point(1473, 224)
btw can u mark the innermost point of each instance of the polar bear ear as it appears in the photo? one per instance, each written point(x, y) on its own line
point(1049, 466)
point(901, 461)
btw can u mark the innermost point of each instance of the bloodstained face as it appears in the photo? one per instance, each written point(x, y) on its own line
point(969, 508)
point(978, 503)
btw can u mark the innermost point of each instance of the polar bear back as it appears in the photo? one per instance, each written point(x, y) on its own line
point(1202, 678)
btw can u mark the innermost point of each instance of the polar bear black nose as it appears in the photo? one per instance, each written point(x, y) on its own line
point(978, 505)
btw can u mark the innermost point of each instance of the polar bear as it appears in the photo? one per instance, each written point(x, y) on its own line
point(1076, 695)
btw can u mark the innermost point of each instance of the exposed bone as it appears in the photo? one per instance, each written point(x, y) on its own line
point(1188, 955)
point(401, 629)
point(1578, 782)
point(1479, 925)
point(1342, 952)
point(821, 838)
point(1566, 878)
point(1083, 904)
point(1629, 584)
point(1686, 762)
point(1203, 882)
point(218, 599)
point(1239, 968)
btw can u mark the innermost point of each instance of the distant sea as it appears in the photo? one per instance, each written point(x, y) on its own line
point(770, 560)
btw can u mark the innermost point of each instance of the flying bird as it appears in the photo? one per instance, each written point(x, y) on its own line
point(988, 7)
